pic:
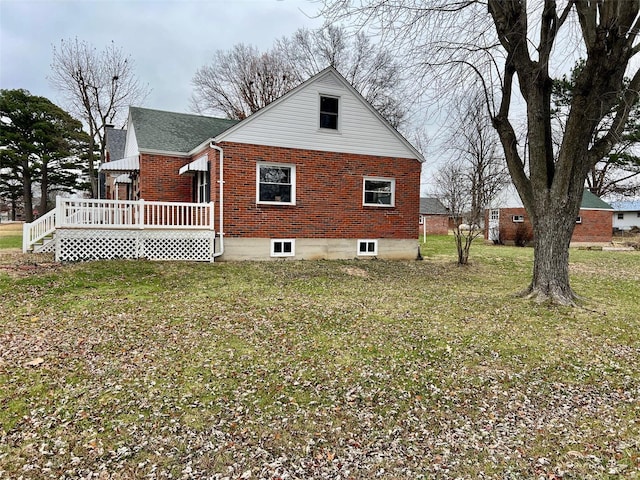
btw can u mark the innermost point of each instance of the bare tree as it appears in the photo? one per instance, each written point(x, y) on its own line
point(453, 190)
point(241, 81)
point(475, 143)
point(476, 174)
point(98, 86)
point(373, 71)
point(513, 43)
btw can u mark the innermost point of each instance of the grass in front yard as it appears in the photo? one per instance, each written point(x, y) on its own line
point(358, 369)
point(10, 235)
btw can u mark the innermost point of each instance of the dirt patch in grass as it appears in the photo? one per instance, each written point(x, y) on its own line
point(17, 264)
point(355, 271)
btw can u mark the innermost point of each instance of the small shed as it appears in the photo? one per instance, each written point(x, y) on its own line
point(512, 225)
point(434, 217)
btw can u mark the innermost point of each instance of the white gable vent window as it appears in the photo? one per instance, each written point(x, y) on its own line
point(329, 112)
point(283, 247)
point(367, 247)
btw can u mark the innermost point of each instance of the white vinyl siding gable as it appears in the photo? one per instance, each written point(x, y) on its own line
point(294, 123)
point(131, 143)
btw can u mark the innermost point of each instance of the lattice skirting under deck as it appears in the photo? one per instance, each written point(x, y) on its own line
point(92, 244)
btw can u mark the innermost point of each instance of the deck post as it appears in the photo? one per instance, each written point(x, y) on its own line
point(141, 214)
point(59, 211)
point(25, 237)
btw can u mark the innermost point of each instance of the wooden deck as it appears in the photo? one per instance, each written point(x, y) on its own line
point(87, 229)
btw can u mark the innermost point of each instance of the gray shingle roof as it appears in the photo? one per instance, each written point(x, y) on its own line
point(432, 206)
point(174, 132)
point(116, 140)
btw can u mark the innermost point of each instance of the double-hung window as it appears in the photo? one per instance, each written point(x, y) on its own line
point(203, 194)
point(329, 112)
point(276, 183)
point(379, 192)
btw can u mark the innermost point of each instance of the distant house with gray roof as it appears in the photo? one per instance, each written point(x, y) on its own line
point(318, 173)
point(626, 215)
point(434, 217)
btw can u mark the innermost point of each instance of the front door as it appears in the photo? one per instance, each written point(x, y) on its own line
point(494, 225)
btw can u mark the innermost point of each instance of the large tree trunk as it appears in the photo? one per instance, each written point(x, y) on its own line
point(93, 178)
point(27, 196)
point(552, 231)
point(44, 189)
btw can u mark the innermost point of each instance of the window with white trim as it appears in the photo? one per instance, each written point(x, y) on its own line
point(203, 194)
point(494, 214)
point(379, 192)
point(518, 218)
point(421, 221)
point(329, 112)
point(283, 247)
point(621, 216)
point(578, 219)
point(367, 247)
point(276, 183)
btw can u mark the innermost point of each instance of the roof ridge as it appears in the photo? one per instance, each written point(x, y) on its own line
point(195, 115)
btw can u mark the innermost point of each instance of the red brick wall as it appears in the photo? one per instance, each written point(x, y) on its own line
point(436, 225)
point(329, 189)
point(596, 225)
point(159, 179)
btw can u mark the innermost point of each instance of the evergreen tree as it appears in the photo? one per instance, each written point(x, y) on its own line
point(41, 144)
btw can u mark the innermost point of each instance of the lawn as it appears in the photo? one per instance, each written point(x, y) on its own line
point(10, 235)
point(319, 369)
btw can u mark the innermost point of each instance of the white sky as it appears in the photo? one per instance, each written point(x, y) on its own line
point(168, 40)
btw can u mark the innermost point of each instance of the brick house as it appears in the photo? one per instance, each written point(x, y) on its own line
point(317, 173)
point(434, 217)
point(512, 225)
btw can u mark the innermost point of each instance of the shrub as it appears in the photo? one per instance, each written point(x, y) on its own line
point(523, 236)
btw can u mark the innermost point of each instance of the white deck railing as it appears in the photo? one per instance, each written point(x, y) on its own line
point(37, 230)
point(119, 214)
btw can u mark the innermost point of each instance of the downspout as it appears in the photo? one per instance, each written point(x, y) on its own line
point(221, 199)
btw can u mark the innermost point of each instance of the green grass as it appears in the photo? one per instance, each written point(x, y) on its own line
point(10, 241)
point(309, 369)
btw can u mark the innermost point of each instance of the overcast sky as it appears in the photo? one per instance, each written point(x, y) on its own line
point(168, 40)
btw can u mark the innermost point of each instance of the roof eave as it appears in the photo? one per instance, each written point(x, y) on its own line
point(150, 151)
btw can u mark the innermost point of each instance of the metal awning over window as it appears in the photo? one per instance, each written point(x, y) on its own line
point(126, 164)
point(198, 165)
point(124, 178)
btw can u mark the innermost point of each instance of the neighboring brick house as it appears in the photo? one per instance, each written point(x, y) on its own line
point(317, 173)
point(512, 225)
point(434, 217)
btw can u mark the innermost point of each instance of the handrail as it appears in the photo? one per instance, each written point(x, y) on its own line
point(138, 214)
point(38, 229)
point(118, 214)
